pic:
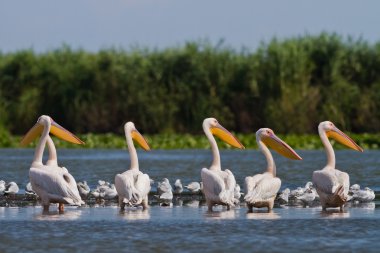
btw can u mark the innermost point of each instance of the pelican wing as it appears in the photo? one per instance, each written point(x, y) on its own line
point(325, 181)
point(213, 185)
point(143, 184)
point(261, 187)
point(218, 186)
point(56, 184)
point(124, 186)
point(132, 188)
point(343, 179)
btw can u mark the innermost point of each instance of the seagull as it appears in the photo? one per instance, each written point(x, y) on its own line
point(2, 186)
point(11, 188)
point(164, 189)
point(193, 187)
point(29, 189)
point(283, 197)
point(104, 190)
point(110, 192)
point(307, 197)
point(83, 189)
point(237, 193)
point(360, 195)
point(178, 186)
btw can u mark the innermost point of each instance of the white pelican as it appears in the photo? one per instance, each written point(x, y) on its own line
point(332, 185)
point(133, 186)
point(53, 184)
point(218, 185)
point(261, 189)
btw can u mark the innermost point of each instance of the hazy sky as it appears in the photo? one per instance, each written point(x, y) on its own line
point(96, 24)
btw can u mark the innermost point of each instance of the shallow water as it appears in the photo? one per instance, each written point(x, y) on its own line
point(92, 165)
point(190, 228)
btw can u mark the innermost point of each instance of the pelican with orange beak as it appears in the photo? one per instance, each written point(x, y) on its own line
point(261, 189)
point(133, 186)
point(332, 185)
point(218, 185)
point(53, 184)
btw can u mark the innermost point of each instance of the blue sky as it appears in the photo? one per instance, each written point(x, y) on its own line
point(95, 24)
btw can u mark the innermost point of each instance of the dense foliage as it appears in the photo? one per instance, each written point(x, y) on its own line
point(187, 141)
point(289, 86)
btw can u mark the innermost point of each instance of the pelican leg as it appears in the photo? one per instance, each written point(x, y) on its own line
point(61, 207)
point(145, 203)
point(228, 207)
point(46, 208)
point(209, 205)
point(250, 208)
point(270, 205)
point(121, 204)
point(341, 208)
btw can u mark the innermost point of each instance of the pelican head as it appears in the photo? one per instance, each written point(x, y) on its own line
point(333, 132)
point(131, 130)
point(267, 136)
point(57, 130)
point(218, 130)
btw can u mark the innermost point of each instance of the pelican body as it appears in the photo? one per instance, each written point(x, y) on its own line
point(133, 186)
point(218, 185)
point(53, 184)
point(332, 185)
point(261, 189)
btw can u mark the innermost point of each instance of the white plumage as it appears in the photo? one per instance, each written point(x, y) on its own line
point(133, 186)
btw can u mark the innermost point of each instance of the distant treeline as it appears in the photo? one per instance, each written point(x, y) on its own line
point(288, 85)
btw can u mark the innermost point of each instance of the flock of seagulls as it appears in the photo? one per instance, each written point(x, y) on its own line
point(306, 196)
point(54, 184)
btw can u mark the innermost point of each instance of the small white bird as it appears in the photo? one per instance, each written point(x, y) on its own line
point(164, 189)
point(307, 197)
point(11, 188)
point(178, 186)
point(83, 189)
point(2, 186)
point(104, 190)
point(360, 195)
point(283, 197)
point(110, 192)
point(297, 192)
point(237, 193)
point(193, 187)
point(29, 189)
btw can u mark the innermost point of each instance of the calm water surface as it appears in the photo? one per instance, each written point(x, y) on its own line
point(190, 228)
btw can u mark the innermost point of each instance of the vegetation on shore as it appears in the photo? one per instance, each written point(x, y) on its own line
point(186, 141)
point(288, 85)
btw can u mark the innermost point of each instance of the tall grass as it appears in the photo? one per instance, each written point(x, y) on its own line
point(288, 85)
point(186, 141)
